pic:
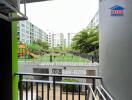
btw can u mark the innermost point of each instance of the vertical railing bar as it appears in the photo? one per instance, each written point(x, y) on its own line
point(26, 90)
point(31, 91)
point(48, 91)
point(60, 91)
point(36, 91)
point(79, 92)
point(42, 91)
point(96, 92)
point(93, 84)
point(73, 93)
point(66, 92)
point(20, 86)
point(54, 90)
point(86, 92)
point(94, 97)
point(101, 93)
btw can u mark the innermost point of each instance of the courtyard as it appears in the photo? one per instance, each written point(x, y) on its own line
point(57, 58)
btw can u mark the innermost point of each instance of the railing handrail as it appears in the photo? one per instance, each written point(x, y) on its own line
point(110, 97)
point(59, 75)
point(57, 82)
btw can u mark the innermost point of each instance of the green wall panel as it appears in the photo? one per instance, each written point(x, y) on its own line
point(14, 61)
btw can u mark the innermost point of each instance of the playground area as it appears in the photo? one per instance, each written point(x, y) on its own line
point(24, 54)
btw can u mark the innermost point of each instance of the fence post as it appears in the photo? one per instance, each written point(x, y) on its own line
point(20, 87)
point(54, 87)
point(93, 86)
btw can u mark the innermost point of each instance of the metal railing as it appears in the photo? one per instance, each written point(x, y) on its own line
point(58, 90)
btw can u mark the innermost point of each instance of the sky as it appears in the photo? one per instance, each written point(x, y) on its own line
point(62, 16)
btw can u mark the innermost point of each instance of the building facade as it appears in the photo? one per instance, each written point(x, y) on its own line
point(56, 40)
point(69, 39)
point(50, 37)
point(28, 33)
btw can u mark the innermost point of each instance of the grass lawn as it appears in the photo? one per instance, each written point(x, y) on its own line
point(59, 58)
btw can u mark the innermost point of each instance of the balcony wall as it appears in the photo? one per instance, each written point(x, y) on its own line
point(116, 49)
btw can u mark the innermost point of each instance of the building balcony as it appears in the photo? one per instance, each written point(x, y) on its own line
point(35, 88)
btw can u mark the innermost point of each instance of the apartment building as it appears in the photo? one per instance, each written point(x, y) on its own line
point(28, 32)
point(69, 39)
point(56, 39)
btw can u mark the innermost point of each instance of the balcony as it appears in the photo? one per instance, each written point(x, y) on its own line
point(34, 89)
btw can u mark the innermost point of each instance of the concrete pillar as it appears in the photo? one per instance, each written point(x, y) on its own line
point(116, 49)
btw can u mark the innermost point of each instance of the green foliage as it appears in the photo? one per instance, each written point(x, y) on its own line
point(42, 44)
point(23, 86)
point(38, 47)
point(34, 48)
point(70, 88)
point(57, 50)
point(86, 41)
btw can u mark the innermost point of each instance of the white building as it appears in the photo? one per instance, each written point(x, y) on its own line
point(27, 32)
point(69, 39)
point(50, 39)
point(56, 39)
point(24, 32)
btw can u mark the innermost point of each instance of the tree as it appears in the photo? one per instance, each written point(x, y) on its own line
point(42, 44)
point(86, 41)
point(34, 48)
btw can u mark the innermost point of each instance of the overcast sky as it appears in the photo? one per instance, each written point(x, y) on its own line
point(62, 16)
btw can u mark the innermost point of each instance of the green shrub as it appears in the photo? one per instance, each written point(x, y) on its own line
point(24, 86)
point(34, 48)
point(68, 87)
